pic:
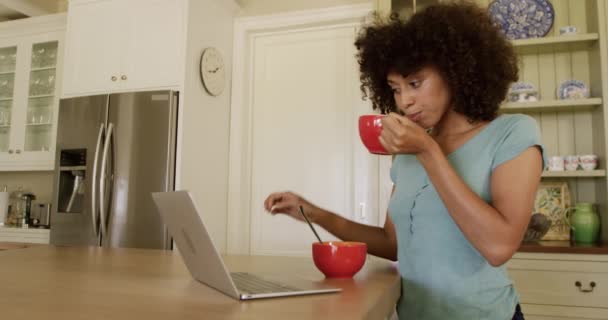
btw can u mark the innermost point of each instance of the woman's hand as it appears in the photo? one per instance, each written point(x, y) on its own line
point(288, 203)
point(402, 135)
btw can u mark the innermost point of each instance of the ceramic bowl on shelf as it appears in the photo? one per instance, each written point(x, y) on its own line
point(522, 19)
point(588, 161)
point(523, 92)
point(567, 30)
point(572, 89)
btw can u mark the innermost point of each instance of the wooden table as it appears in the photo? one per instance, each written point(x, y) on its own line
point(58, 283)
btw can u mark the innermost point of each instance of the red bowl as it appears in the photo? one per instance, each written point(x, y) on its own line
point(370, 128)
point(337, 259)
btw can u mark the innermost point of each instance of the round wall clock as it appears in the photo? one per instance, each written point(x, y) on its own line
point(213, 73)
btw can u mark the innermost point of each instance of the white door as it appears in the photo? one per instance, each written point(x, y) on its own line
point(93, 47)
point(304, 137)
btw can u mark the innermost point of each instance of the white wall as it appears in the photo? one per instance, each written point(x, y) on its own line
point(261, 7)
point(205, 120)
point(38, 182)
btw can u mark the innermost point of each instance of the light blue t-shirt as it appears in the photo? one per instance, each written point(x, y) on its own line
point(443, 275)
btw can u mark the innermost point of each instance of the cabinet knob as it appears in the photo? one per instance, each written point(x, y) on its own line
point(114, 78)
point(579, 286)
point(17, 151)
point(10, 151)
point(123, 77)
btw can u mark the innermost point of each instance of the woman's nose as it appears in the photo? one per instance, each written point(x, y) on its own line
point(404, 101)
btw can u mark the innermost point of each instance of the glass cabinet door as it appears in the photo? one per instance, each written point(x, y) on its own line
point(39, 113)
point(8, 64)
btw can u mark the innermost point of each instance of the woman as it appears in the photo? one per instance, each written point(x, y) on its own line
point(464, 177)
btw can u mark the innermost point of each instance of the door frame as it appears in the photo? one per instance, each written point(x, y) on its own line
point(246, 29)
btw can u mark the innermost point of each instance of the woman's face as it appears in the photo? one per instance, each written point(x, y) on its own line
point(422, 96)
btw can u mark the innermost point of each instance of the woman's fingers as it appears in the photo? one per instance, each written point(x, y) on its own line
point(280, 202)
point(272, 200)
point(280, 208)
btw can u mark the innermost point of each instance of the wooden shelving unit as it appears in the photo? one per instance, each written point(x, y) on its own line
point(589, 38)
point(553, 105)
point(574, 174)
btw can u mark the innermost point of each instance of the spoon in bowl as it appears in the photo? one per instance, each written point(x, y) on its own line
point(310, 224)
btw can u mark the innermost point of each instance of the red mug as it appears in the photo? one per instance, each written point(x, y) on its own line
point(370, 128)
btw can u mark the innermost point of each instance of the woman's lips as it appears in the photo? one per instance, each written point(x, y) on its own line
point(415, 116)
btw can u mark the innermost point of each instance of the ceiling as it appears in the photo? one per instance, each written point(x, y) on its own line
point(18, 9)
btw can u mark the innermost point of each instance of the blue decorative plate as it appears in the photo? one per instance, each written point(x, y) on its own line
point(572, 89)
point(521, 19)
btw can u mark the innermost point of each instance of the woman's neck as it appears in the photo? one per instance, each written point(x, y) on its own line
point(454, 124)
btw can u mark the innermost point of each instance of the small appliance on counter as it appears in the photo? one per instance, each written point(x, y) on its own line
point(20, 208)
point(41, 216)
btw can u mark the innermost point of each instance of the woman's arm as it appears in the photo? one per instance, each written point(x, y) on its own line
point(495, 230)
point(381, 242)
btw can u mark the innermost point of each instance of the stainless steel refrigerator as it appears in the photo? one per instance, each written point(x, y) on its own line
point(113, 151)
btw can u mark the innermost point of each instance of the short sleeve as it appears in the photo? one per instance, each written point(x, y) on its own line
point(521, 133)
point(393, 170)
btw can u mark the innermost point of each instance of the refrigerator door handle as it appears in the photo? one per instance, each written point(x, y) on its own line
point(94, 179)
point(102, 181)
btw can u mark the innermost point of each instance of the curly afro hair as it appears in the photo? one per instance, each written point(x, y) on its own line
point(459, 39)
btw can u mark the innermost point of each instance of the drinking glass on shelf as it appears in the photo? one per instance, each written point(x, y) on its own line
point(43, 119)
point(50, 84)
point(35, 86)
point(33, 118)
point(6, 88)
point(8, 59)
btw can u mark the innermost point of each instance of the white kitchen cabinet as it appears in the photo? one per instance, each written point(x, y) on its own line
point(30, 65)
point(124, 45)
point(21, 235)
point(561, 286)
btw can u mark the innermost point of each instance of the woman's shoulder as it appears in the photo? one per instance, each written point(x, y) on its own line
point(515, 121)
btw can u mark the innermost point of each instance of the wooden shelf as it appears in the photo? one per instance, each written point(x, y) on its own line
point(553, 105)
point(566, 39)
point(563, 247)
point(41, 96)
point(574, 174)
point(42, 69)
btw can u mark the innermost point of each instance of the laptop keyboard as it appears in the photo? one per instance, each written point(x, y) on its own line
point(249, 283)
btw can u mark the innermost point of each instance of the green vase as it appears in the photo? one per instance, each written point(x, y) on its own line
point(585, 223)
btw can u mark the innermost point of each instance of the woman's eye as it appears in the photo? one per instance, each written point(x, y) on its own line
point(395, 90)
point(414, 84)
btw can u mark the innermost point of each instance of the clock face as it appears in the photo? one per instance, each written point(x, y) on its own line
point(213, 73)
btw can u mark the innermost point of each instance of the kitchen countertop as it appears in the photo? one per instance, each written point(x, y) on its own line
point(57, 283)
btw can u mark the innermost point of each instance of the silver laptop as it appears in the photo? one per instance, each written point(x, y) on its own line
point(180, 214)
